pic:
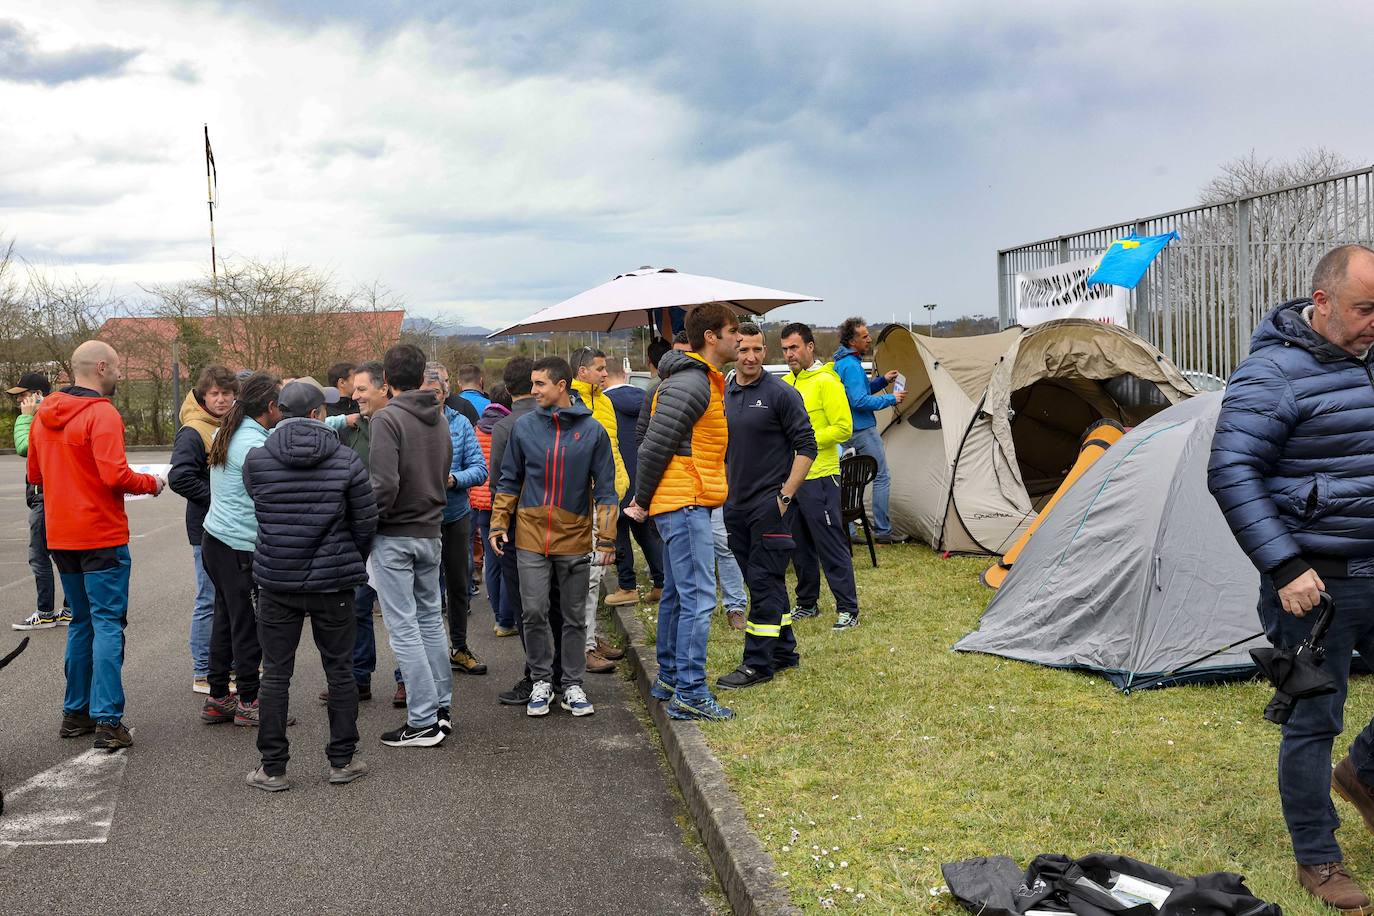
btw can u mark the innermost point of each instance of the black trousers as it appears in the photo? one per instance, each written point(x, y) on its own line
point(234, 635)
point(649, 543)
point(456, 560)
point(510, 574)
point(762, 543)
point(281, 616)
point(822, 543)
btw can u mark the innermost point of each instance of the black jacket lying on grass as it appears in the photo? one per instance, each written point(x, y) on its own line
point(315, 508)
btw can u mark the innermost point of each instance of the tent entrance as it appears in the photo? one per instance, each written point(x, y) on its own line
point(1049, 418)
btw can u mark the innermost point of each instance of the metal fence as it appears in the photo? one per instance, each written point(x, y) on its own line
point(1204, 294)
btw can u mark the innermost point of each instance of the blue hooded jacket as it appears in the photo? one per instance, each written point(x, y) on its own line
point(469, 468)
point(864, 399)
point(1292, 463)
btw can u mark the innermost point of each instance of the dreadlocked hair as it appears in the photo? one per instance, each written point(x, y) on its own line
point(256, 394)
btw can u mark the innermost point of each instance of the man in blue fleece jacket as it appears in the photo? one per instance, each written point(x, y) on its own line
point(867, 397)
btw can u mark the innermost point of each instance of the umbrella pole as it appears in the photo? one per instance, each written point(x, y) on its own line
point(1158, 678)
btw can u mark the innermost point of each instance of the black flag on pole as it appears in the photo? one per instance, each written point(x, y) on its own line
point(211, 175)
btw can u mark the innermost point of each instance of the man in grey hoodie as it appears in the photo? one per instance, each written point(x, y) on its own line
point(410, 458)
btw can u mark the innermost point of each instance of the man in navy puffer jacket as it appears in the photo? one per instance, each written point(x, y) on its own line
point(1292, 468)
point(316, 517)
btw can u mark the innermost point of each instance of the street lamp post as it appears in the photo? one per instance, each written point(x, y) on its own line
point(930, 311)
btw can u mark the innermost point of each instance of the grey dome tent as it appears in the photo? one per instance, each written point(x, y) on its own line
point(1135, 572)
point(992, 424)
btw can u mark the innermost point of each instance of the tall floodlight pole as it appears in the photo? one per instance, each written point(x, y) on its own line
point(930, 310)
point(211, 186)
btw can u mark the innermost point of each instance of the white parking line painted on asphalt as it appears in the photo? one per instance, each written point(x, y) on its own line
point(68, 804)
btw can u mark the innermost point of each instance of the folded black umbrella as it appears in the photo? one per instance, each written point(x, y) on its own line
point(1297, 674)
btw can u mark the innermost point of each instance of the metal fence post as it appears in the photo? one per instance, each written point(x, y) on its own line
point(1242, 324)
point(1003, 300)
point(1141, 314)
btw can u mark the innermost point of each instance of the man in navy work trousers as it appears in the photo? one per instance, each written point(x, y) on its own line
point(771, 448)
point(1292, 468)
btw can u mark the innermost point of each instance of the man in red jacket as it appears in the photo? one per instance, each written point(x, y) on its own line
point(76, 453)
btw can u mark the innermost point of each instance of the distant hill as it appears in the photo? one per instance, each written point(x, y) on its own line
point(445, 329)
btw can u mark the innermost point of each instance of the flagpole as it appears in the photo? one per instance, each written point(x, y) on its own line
point(210, 201)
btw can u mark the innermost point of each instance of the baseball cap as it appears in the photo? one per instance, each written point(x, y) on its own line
point(32, 381)
point(303, 395)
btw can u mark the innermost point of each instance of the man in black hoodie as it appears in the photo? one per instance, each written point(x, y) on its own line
point(316, 519)
point(411, 457)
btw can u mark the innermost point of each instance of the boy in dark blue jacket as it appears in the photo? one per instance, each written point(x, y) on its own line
point(316, 518)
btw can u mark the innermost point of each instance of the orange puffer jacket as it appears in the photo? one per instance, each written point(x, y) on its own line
point(480, 495)
point(682, 459)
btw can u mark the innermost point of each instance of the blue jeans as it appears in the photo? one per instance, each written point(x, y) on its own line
point(406, 571)
point(689, 598)
point(40, 562)
point(95, 640)
point(502, 608)
point(202, 617)
point(727, 567)
point(1305, 748)
point(868, 442)
point(364, 638)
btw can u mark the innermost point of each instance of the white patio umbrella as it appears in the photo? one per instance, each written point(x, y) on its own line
point(630, 299)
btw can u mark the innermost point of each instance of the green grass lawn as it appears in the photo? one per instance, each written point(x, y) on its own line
point(886, 755)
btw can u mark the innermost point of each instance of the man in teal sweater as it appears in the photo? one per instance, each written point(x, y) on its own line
point(30, 391)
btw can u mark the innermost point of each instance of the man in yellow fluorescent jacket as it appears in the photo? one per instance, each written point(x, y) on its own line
point(589, 378)
point(818, 527)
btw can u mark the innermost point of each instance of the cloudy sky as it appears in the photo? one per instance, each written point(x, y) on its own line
point(485, 160)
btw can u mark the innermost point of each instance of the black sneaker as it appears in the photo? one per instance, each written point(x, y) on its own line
point(405, 736)
point(801, 613)
point(780, 666)
point(742, 677)
point(112, 737)
point(518, 695)
point(444, 720)
point(74, 725)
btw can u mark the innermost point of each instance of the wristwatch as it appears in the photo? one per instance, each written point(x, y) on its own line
point(784, 498)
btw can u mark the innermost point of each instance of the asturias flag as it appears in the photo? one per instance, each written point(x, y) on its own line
point(1126, 261)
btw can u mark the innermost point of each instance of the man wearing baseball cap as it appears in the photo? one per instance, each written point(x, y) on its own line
point(32, 388)
point(307, 488)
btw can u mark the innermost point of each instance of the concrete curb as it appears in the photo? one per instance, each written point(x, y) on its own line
point(745, 869)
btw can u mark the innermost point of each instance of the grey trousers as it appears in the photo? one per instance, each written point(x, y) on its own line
point(572, 572)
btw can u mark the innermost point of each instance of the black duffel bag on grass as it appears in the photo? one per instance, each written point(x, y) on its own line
point(1097, 885)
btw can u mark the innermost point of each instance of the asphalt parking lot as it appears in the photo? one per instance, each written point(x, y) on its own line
point(511, 814)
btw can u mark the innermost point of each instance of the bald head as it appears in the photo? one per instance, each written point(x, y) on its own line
point(95, 365)
point(1343, 298)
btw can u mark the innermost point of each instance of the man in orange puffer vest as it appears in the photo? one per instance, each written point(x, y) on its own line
point(681, 478)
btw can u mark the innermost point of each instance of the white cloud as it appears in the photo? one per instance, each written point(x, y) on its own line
point(874, 155)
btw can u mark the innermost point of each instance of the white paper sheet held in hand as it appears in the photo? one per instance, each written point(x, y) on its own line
point(160, 470)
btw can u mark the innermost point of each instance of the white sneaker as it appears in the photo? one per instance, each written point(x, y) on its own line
point(538, 704)
point(200, 685)
point(575, 701)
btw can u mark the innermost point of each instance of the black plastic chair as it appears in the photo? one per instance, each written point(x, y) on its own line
point(856, 473)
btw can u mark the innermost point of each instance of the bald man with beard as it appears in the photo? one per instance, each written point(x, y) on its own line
point(76, 453)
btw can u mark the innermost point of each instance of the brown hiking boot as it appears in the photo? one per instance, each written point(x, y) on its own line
point(655, 595)
point(1332, 885)
point(464, 662)
point(112, 737)
point(736, 618)
point(1350, 787)
point(608, 651)
point(399, 699)
point(76, 724)
point(623, 596)
point(598, 664)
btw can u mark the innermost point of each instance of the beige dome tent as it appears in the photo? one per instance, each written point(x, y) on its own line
point(992, 424)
